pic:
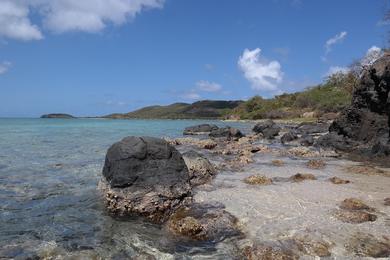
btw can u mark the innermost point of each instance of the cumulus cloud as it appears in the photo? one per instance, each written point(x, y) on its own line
point(208, 86)
point(4, 67)
point(263, 75)
point(371, 56)
point(337, 70)
point(334, 40)
point(67, 15)
point(15, 22)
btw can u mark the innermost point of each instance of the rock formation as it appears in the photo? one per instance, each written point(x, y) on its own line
point(199, 129)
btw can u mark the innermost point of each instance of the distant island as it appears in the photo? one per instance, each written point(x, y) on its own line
point(58, 115)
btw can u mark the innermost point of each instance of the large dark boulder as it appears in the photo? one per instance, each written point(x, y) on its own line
point(226, 132)
point(365, 123)
point(288, 137)
point(145, 176)
point(268, 128)
point(199, 129)
point(312, 128)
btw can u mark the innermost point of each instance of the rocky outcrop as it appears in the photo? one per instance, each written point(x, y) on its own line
point(365, 122)
point(268, 128)
point(288, 137)
point(62, 116)
point(145, 176)
point(199, 129)
point(200, 169)
point(226, 132)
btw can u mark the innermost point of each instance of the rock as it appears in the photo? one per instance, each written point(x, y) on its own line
point(335, 141)
point(367, 245)
point(312, 247)
point(207, 144)
point(264, 252)
point(365, 121)
point(328, 117)
point(258, 180)
point(200, 169)
point(205, 222)
point(277, 163)
point(226, 132)
point(199, 129)
point(268, 128)
point(302, 176)
point(62, 116)
point(302, 152)
point(354, 204)
point(288, 137)
point(145, 176)
point(309, 114)
point(316, 164)
point(355, 217)
point(387, 201)
point(312, 128)
point(367, 170)
point(336, 180)
point(306, 140)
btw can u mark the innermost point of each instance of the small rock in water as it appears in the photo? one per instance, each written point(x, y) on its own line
point(268, 128)
point(200, 169)
point(337, 180)
point(199, 129)
point(258, 180)
point(302, 176)
point(368, 245)
point(264, 252)
point(354, 204)
point(226, 132)
point(312, 247)
point(387, 202)
point(288, 137)
point(355, 216)
point(316, 164)
point(277, 163)
point(205, 222)
point(307, 140)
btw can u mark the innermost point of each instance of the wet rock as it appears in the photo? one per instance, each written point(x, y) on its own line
point(302, 177)
point(302, 152)
point(199, 129)
point(312, 247)
point(264, 252)
point(200, 169)
point(316, 164)
point(354, 204)
point(306, 140)
point(288, 137)
point(258, 180)
point(226, 132)
point(355, 216)
point(337, 180)
point(367, 170)
point(268, 128)
point(207, 144)
point(368, 245)
point(145, 176)
point(277, 163)
point(335, 141)
point(200, 143)
point(205, 222)
point(387, 202)
point(312, 128)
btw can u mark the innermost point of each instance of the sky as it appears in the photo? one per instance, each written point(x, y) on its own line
point(96, 57)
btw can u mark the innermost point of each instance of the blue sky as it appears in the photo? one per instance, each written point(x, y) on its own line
point(99, 57)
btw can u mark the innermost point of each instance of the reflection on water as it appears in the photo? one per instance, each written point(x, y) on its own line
point(49, 204)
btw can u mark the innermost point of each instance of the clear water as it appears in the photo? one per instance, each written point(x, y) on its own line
point(49, 205)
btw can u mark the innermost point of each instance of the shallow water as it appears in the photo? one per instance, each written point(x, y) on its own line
point(49, 205)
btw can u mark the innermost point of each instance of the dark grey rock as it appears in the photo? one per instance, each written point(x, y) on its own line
point(306, 140)
point(145, 176)
point(62, 116)
point(312, 128)
point(227, 132)
point(199, 129)
point(288, 137)
point(200, 169)
point(268, 128)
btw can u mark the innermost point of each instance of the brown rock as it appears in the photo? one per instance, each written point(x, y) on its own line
point(354, 204)
point(355, 217)
point(368, 245)
point(316, 164)
point(257, 180)
point(263, 252)
point(277, 163)
point(313, 247)
point(302, 176)
point(387, 201)
point(337, 180)
point(199, 167)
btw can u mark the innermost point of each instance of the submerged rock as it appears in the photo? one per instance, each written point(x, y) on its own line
point(258, 180)
point(199, 129)
point(337, 180)
point(369, 245)
point(268, 128)
point(302, 176)
point(145, 176)
point(226, 132)
point(264, 252)
point(354, 204)
point(277, 163)
point(387, 202)
point(316, 164)
point(354, 216)
point(205, 222)
point(200, 169)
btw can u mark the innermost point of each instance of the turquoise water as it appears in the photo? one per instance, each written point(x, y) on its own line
point(49, 169)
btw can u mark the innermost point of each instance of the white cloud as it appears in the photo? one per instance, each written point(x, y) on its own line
point(191, 95)
point(263, 75)
point(336, 70)
point(4, 67)
point(334, 40)
point(67, 15)
point(208, 86)
point(15, 22)
point(371, 56)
